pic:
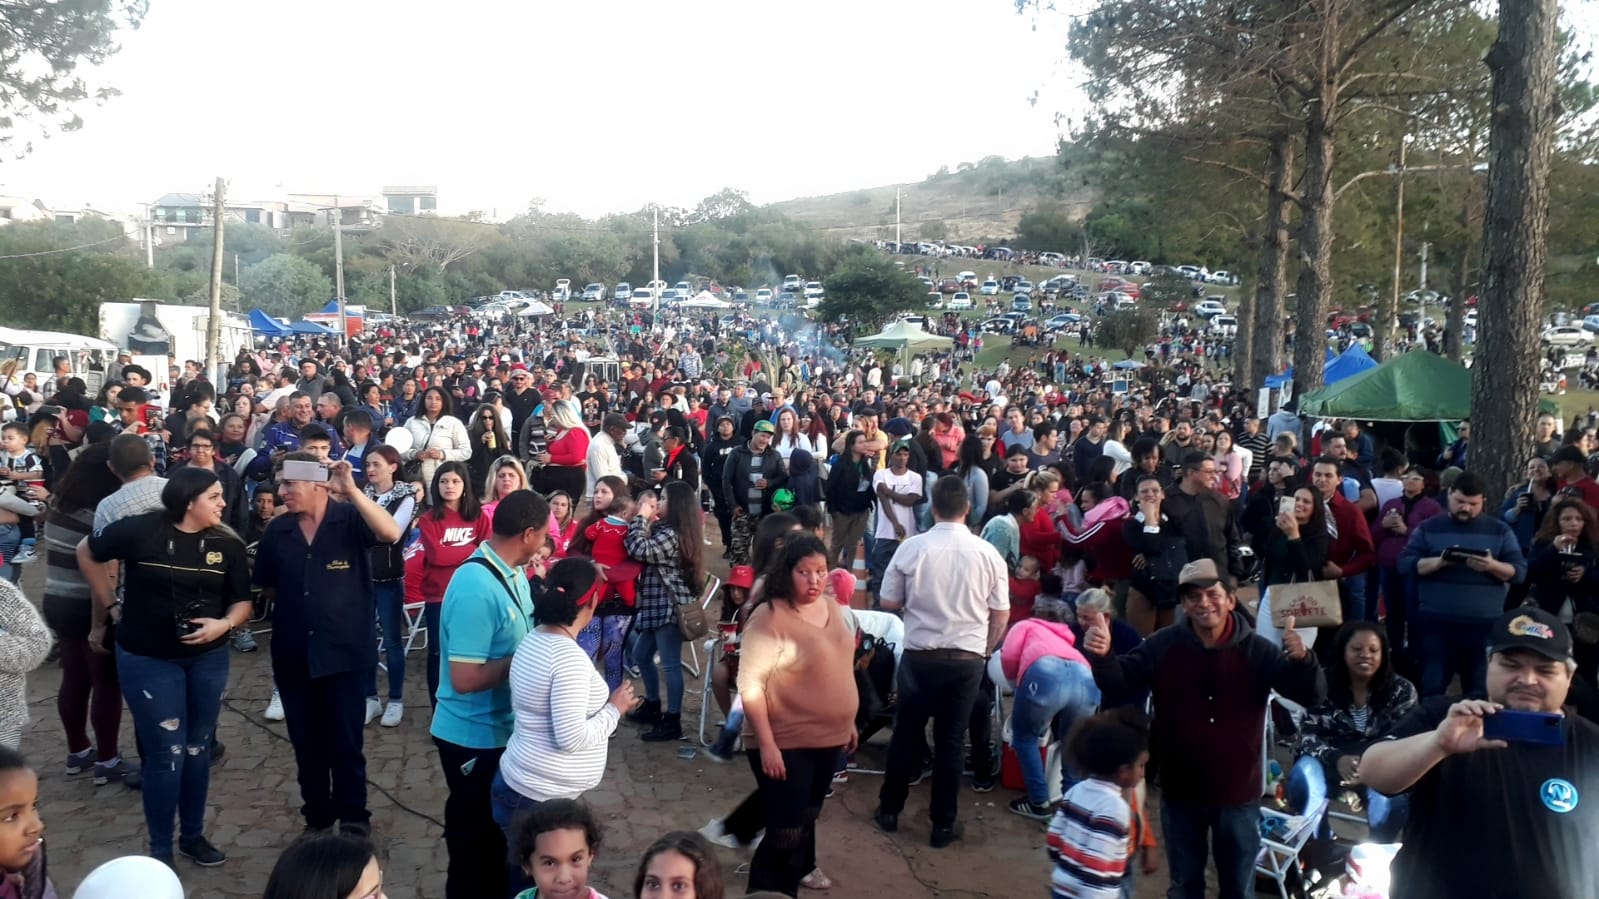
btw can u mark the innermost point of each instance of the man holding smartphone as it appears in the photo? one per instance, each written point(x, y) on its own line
point(1526, 805)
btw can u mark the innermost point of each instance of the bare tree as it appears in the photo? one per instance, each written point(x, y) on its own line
point(1515, 230)
point(414, 241)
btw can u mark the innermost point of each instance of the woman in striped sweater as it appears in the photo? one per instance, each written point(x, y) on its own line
point(90, 694)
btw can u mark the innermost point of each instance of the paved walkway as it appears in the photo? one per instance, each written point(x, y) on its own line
point(647, 791)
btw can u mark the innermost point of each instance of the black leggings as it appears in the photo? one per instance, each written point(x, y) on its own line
point(791, 805)
point(90, 693)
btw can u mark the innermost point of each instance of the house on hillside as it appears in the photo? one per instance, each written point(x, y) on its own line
point(22, 209)
point(411, 199)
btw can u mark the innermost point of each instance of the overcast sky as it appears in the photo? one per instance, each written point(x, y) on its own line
point(596, 107)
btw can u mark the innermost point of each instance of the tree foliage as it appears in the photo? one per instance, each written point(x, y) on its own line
point(1128, 329)
point(45, 43)
point(62, 291)
point(286, 286)
point(870, 289)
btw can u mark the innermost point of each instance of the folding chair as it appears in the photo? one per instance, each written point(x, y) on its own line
point(1280, 855)
point(712, 584)
point(415, 630)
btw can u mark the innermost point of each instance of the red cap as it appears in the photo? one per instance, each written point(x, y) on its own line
point(741, 576)
point(519, 367)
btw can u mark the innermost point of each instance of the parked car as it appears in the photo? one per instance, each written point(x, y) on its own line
point(642, 298)
point(813, 290)
point(436, 313)
point(1209, 307)
point(563, 290)
point(989, 288)
point(1222, 277)
point(1139, 267)
point(1023, 287)
point(1021, 302)
point(998, 325)
point(1117, 267)
point(593, 293)
point(1063, 321)
point(935, 300)
point(968, 279)
point(1591, 323)
point(960, 300)
point(1590, 309)
point(1566, 335)
point(1224, 325)
point(763, 296)
point(793, 283)
point(623, 291)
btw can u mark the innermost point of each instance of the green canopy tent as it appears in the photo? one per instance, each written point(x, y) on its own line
point(905, 338)
point(1416, 386)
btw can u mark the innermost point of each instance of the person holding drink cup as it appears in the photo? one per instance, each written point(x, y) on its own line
point(1564, 572)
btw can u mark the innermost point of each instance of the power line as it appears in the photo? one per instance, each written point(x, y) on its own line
point(65, 249)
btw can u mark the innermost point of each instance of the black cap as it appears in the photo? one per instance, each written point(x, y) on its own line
point(863, 409)
point(1532, 629)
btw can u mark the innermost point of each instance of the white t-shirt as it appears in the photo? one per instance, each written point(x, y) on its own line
point(909, 482)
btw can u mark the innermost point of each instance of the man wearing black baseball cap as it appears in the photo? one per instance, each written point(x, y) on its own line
point(1498, 817)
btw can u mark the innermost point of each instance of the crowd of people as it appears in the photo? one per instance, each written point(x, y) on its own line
point(535, 502)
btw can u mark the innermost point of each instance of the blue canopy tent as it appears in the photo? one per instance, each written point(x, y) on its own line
point(261, 323)
point(1276, 381)
point(304, 327)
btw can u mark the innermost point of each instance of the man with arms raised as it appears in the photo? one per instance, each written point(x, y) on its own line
point(1492, 817)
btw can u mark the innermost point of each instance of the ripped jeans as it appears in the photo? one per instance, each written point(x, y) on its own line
point(174, 704)
point(604, 640)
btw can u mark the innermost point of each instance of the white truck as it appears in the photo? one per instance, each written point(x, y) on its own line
point(150, 330)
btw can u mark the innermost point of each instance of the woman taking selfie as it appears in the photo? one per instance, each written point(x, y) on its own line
point(186, 586)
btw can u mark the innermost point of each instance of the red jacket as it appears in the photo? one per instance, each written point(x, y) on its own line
point(1352, 550)
point(1109, 557)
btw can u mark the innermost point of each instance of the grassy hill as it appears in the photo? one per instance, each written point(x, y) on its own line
point(975, 202)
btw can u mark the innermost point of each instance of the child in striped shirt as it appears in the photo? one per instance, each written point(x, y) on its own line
point(1088, 836)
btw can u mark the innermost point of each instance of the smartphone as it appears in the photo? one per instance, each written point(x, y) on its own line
point(1285, 505)
point(1461, 554)
point(297, 470)
point(1513, 726)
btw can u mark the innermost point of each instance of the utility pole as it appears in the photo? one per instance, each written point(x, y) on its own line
point(213, 325)
point(235, 269)
point(1425, 246)
point(1388, 319)
point(896, 219)
point(655, 283)
point(338, 266)
point(149, 238)
point(394, 304)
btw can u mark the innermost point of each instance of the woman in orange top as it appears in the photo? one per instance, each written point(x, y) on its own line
point(796, 677)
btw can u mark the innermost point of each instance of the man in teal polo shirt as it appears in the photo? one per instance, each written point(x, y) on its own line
point(488, 609)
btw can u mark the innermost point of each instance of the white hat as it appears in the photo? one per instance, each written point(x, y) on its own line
point(132, 875)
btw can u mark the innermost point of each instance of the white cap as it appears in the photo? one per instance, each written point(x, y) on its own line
point(132, 875)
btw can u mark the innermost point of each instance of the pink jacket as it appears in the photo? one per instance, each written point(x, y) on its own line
point(1031, 640)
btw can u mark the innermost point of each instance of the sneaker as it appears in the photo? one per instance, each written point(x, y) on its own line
point(985, 782)
point(925, 773)
point(393, 713)
point(200, 851)
point(274, 709)
point(841, 777)
point(1025, 807)
point(218, 751)
point(715, 754)
point(79, 762)
point(117, 771)
point(244, 641)
point(716, 834)
point(373, 709)
point(25, 556)
point(360, 830)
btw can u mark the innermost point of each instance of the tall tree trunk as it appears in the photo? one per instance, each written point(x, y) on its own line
point(1504, 393)
point(1271, 285)
point(1243, 359)
point(1315, 242)
point(1455, 315)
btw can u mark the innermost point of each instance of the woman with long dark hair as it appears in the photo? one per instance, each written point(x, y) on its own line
point(1564, 572)
point(1296, 546)
point(451, 531)
point(437, 436)
point(90, 695)
point(665, 537)
point(1366, 699)
point(796, 678)
point(384, 487)
point(489, 443)
point(186, 586)
point(969, 468)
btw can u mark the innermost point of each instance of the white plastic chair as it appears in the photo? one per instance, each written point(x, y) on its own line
point(1280, 856)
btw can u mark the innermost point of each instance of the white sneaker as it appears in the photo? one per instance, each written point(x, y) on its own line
point(24, 557)
point(274, 709)
point(373, 709)
point(713, 831)
point(394, 714)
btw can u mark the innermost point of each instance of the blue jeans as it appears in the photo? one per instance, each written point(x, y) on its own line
point(669, 643)
point(1447, 648)
point(390, 597)
point(430, 615)
point(1051, 687)
point(605, 642)
point(174, 704)
point(883, 550)
point(509, 808)
point(1230, 833)
point(10, 543)
point(1307, 786)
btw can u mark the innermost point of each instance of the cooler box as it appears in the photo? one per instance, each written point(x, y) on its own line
point(1010, 772)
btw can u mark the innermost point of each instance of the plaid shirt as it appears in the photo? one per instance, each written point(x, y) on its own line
point(664, 581)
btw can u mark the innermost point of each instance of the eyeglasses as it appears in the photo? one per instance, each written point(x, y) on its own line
point(197, 447)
